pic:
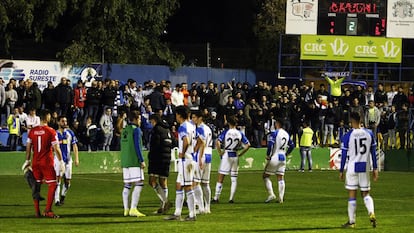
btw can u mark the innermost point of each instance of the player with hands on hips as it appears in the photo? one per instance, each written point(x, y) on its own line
point(279, 146)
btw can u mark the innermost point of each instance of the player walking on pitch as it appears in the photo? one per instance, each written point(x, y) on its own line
point(359, 148)
point(279, 146)
point(67, 140)
point(186, 165)
point(133, 164)
point(42, 139)
point(229, 165)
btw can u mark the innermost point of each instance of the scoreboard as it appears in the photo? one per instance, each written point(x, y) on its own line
point(352, 17)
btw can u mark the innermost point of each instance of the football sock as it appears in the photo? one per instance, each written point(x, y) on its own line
point(125, 195)
point(281, 190)
point(219, 187)
point(352, 205)
point(160, 193)
point(269, 186)
point(179, 200)
point(57, 192)
point(207, 195)
point(233, 187)
point(198, 197)
point(65, 189)
point(136, 193)
point(190, 203)
point(50, 195)
point(369, 204)
point(36, 205)
point(166, 193)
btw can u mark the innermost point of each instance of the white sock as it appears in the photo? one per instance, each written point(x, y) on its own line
point(207, 195)
point(369, 204)
point(160, 193)
point(125, 196)
point(179, 200)
point(198, 197)
point(233, 187)
point(166, 193)
point(352, 205)
point(219, 187)
point(281, 190)
point(57, 192)
point(269, 186)
point(190, 203)
point(136, 195)
point(65, 189)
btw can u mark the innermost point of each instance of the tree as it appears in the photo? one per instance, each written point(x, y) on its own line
point(270, 23)
point(120, 31)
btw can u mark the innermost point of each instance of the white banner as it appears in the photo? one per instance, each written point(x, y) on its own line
point(400, 18)
point(44, 71)
point(301, 17)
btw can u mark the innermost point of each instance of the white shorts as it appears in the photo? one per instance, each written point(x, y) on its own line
point(186, 170)
point(202, 175)
point(132, 174)
point(229, 165)
point(354, 180)
point(276, 165)
point(68, 169)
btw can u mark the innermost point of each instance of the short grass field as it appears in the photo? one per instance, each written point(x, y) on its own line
point(315, 202)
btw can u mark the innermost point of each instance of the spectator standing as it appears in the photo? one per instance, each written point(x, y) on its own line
point(305, 145)
point(79, 94)
point(380, 95)
point(400, 98)
point(64, 97)
point(108, 95)
point(93, 101)
point(177, 97)
point(49, 97)
point(392, 127)
point(11, 99)
point(372, 118)
point(391, 94)
point(402, 125)
point(13, 123)
point(107, 126)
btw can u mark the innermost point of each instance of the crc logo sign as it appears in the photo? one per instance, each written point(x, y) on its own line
point(316, 48)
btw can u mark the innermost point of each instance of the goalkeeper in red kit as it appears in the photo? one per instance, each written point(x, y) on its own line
point(42, 139)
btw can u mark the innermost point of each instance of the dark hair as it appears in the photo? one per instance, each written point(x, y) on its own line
point(198, 113)
point(182, 111)
point(155, 117)
point(355, 116)
point(134, 114)
point(232, 120)
point(60, 117)
point(43, 114)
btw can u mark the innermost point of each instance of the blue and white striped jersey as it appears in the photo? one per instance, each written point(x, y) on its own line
point(66, 139)
point(186, 130)
point(204, 132)
point(231, 138)
point(278, 142)
point(357, 147)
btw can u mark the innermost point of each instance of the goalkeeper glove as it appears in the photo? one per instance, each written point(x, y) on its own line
point(25, 164)
point(62, 167)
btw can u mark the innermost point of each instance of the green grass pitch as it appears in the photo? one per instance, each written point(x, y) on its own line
point(314, 202)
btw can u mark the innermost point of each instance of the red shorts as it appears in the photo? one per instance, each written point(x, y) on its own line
point(44, 172)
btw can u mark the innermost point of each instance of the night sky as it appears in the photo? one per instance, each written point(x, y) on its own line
point(224, 23)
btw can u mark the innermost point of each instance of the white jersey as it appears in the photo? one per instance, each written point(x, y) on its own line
point(231, 139)
point(279, 143)
point(186, 130)
point(359, 147)
point(205, 134)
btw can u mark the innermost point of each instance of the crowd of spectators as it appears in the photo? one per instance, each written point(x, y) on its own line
point(98, 113)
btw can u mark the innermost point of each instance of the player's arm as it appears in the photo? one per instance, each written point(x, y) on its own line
point(344, 153)
point(374, 159)
point(201, 145)
point(246, 145)
point(291, 147)
point(137, 144)
point(218, 146)
point(76, 153)
point(28, 154)
point(186, 143)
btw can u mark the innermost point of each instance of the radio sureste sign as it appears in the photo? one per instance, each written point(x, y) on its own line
point(351, 48)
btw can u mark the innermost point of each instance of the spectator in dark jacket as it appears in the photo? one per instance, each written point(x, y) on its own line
point(93, 100)
point(157, 99)
point(64, 97)
point(108, 95)
point(49, 97)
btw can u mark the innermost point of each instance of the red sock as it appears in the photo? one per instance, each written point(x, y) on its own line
point(50, 195)
point(36, 206)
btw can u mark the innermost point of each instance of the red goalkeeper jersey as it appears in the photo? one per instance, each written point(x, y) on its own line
point(42, 138)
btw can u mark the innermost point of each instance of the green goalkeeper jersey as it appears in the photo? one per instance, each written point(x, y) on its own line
point(131, 146)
